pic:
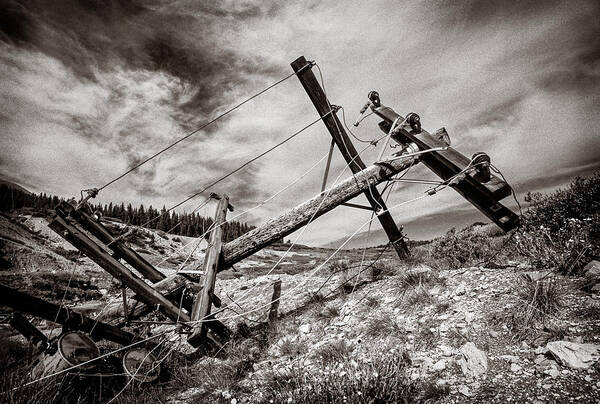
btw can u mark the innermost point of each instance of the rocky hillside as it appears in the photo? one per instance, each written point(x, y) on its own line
point(474, 316)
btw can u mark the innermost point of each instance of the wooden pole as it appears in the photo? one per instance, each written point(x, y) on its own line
point(299, 216)
point(37, 307)
point(273, 311)
point(28, 330)
point(274, 229)
point(203, 302)
point(316, 94)
point(146, 292)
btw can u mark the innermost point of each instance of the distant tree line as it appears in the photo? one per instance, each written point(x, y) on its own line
point(184, 224)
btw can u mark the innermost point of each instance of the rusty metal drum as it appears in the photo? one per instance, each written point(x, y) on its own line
point(74, 349)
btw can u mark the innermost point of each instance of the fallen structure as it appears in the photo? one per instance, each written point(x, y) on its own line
point(186, 301)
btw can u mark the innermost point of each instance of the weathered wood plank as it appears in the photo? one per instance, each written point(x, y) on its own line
point(37, 307)
point(279, 227)
point(121, 250)
point(28, 330)
point(276, 228)
point(203, 303)
point(316, 94)
point(147, 293)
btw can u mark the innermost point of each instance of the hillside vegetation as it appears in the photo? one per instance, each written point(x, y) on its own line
point(475, 315)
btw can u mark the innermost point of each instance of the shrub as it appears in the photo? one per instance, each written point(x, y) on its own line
point(333, 352)
point(458, 248)
point(382, 325)
point(561, 231)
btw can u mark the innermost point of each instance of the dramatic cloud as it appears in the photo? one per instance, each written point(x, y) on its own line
point(91, 88)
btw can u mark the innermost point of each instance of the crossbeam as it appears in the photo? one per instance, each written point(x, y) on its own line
point(450, 162)
point(316, 94)
point(146, 292)
point(37, 307)
point(120, 249)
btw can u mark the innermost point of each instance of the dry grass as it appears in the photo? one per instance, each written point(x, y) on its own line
point(333, 352)
point(380, 379)
point(536, 302)
point(382, 325)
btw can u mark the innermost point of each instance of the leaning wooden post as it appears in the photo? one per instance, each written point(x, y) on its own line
point(316, 94)
point(212, 260)
point(275, 301)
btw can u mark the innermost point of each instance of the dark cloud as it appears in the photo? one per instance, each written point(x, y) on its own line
point(485, 13)
point(89, 35)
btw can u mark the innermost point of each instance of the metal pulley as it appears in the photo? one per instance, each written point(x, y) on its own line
point(481, 161)
point(414, 121)
point(374, 98)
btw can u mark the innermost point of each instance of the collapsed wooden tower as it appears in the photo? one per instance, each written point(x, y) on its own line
point(185, 301)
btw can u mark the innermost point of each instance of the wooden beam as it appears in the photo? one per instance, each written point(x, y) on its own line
point(29, 331)
point(203, 303)
point(86, 245)
point(279, 227)
point(121, 250)
point(316, 94)
point(37, 307)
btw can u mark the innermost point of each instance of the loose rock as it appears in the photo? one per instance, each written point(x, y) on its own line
point(573, 355)
point(473, 361)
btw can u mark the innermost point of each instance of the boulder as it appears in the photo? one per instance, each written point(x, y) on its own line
point(473, 361)
point(574, 355)
point(592, 270)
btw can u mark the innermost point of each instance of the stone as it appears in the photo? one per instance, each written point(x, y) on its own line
point(574, 355)
point(469, 317)
point(592, 270)
point(447, 350)
point(541, 350)
point(460, 290)
point(439, 365)
point(510, 358)
point(464, 390)
point(552, 372)
point(514, 367)
point(305, 328)
point(473, 361)
point(493, 334)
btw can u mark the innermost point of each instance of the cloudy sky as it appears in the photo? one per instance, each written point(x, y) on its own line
point(90, 88)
